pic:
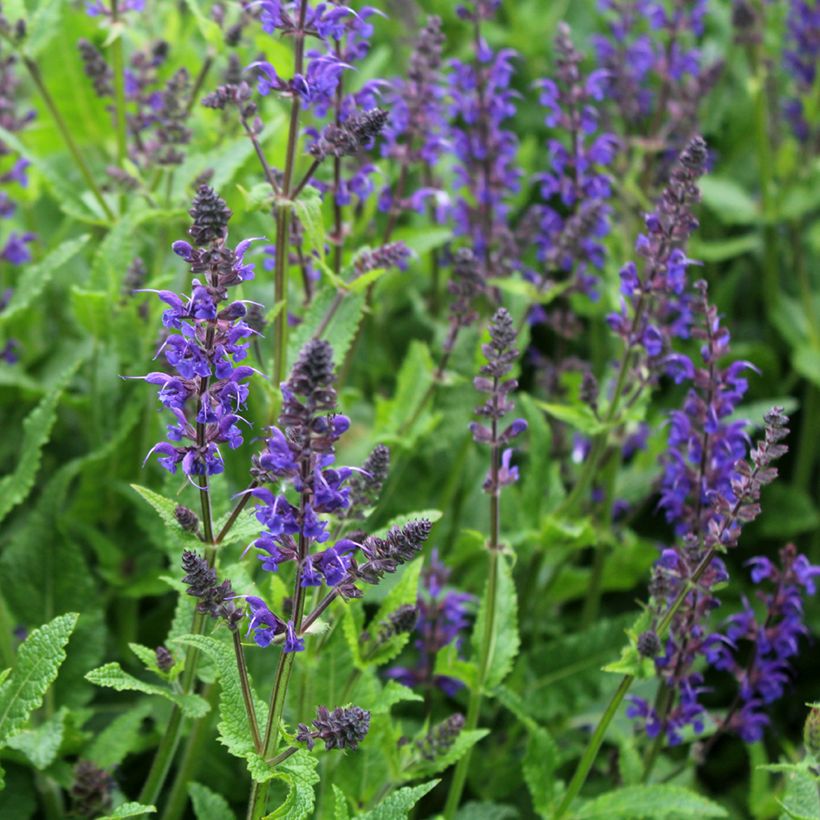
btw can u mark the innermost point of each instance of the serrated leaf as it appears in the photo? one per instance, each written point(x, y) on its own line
point(538, 767)
point(467, 738)
point(131, 809)
point(208, 805)
point(393, 693)
point(121, 737)
point(179, 539)
point(308, 208)
point(398, 804)
point(340, 331)
point(578, 416)
point(233, 729)
point(505, 640)
point(340, 811)
point(654, 802)
point(299, 772)
point(38, 660)
point(801, 800)
point(352, 626)
point(92, 310)
point(43, 26)
point(38, 276)
point(631, 662)
point(36, 431)
point(404, 592)
point(113, 676)
point(41, 744)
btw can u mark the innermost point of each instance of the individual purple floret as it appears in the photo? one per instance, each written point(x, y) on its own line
point(800, 58)
point(481, 103)
point(415, 135)
point(773, 636)
point(576, 188)
point(206, 341)
point(500, 354)
point(442, 617)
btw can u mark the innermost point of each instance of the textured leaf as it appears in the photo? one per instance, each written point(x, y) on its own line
point(38, 276)
point(178, 539)
point(208, 805)
point(234, 733)
point(654, 802)
point(121, 737)
point(505, 641)
point(41, 744)
point(801, 800)
point(413, 380)
point(404, 592)
point(131, 809)
point(43, 26)
point(112, 676)
point(299, 772)
point(308, 208)
point(36, 431)
point(38, 660)
point(578, 416)
point(341, 330)
point(398, 804)
point(486, 811)
point(540, 760)
point(393, 693)
point(340, 810)
point(465, 741)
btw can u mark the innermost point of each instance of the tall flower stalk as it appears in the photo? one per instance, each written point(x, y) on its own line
point(206, 341)
point(301, 452)
point(500, 354)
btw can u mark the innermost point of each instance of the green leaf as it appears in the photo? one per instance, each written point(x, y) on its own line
point(179, 539)
point(299, 772)
point(578, 416)
point(727, 200)
point(467, 738)
point(806, 361)
point(43, 26)
point(505, 639)
point(486, 811)
point(540, 761)
point(131, 809)
point(393, 693)
point(92, 310)
point(404, 592)
point(342, 328)
point(720, 250)
point(631, 662)
point(208, 28)
point(38, 660)
point(208, 805)
point(340, 811)
point(654, 802)
point(112, 676)
point(38, 276)
point(801, 800)
point(41, 744)
point(36, 431)
point(308, 207)
point(233, 729)
point(120, 738)
point(414, 379)
point(398, 804)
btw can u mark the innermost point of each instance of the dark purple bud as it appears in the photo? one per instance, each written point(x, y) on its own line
point(92, 790)
point(343, 728)
point(165, 660)
point(186, 518)
point(210, 215)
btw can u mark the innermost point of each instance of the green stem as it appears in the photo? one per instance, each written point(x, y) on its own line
point(247, 694)
point(34, 72)
point(663, 703)
point(191, 759)
point(807, 448)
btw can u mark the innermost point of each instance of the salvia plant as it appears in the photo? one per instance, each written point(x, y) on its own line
point(410, 409)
